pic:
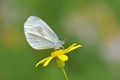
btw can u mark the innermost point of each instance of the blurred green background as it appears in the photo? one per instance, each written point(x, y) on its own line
point(92, 23)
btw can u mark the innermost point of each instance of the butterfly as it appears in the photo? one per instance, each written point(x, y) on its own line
point(39, 35)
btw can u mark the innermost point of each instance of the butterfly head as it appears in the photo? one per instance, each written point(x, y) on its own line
point(59, 44)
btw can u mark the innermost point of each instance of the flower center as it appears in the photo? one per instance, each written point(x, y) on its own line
point(57, 53)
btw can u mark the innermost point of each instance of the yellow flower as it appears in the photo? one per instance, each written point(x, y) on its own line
point(60, 55)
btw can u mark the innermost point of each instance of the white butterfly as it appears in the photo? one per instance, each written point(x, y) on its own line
point(39, 35)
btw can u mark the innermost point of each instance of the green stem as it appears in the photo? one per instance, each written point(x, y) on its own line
point(65, 75)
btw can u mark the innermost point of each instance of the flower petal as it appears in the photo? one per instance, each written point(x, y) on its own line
point(63, 57)
point(41, 61)
point(72, 47)
point(47, 61)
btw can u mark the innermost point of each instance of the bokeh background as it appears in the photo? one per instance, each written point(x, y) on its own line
point(93, 23)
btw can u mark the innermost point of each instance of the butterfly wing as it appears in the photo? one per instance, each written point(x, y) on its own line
point(39, 35)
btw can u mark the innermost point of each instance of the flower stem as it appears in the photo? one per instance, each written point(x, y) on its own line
point(65, 75)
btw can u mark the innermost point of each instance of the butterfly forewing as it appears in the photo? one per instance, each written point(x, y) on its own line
point(39, 35)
